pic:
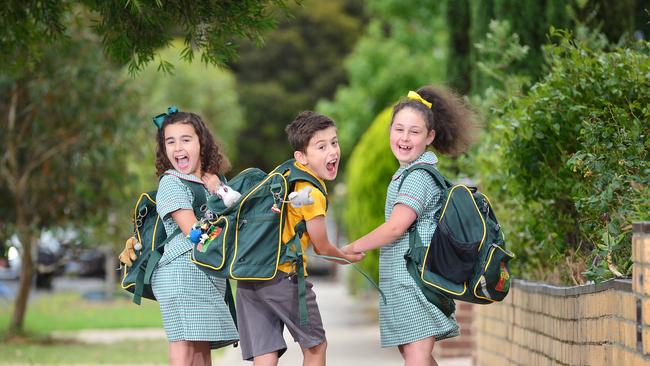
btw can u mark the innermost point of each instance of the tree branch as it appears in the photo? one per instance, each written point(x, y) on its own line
point(8, 163)
point(36, 161)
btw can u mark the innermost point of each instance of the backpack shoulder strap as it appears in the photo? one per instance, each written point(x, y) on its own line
point(200, 198)
point(441, 181)
point(294, 249)
point(295, 174)
point(198, 206)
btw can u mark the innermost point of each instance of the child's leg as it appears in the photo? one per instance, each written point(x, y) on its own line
point(315, 356)
point(418, 353)
point(202, 355)
point(311, 337)
point(180, 353)
point(268, 359)
point(260, 329)
point(189, 353)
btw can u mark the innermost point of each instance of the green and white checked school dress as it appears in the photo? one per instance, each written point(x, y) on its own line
point(191, 302)
point(408, 316)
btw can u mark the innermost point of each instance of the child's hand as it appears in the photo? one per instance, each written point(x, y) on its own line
point(354, 257)
point(212, 182)
point(348, 249)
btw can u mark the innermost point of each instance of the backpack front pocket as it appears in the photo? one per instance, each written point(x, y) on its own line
point(451, 258)
point(256, 254)
point(493, 281)
point(213, 251)
point(258, 234)
point(461, 231)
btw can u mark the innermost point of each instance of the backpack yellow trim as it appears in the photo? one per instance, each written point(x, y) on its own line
point(223, 246)
point(485, 269)
point(459, 186)
point(137, 232)
point(277, 259)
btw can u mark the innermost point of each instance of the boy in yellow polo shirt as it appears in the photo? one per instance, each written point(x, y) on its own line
point(265, 307)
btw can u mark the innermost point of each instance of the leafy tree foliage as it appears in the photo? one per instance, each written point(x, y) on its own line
point(573, 158)
point(531, 21)
point(481, 14)
point(133, 30)
point(64, 136)
point(299, 63)
point(24, 28)
point(459, 75)
point(401, 50)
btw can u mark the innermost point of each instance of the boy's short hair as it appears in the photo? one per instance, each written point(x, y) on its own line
point(303, 128)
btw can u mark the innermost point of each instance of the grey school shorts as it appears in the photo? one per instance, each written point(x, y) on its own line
point(265, 307)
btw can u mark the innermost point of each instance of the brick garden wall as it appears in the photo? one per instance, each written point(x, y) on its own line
point(603, 324)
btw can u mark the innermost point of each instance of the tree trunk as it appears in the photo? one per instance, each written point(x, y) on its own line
point(26, 271)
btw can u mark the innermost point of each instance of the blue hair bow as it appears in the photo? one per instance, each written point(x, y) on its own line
point(159, 119)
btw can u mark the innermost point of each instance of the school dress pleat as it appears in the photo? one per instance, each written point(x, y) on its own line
point(407, 316)
point(191, 302)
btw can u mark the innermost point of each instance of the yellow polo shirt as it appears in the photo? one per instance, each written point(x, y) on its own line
point(306, 213)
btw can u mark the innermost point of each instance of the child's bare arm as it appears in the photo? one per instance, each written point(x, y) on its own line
point(184, 219)
point(400, 220)
point(317, 230)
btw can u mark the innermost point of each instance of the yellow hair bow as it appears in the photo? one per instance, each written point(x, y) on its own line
point(415, 96)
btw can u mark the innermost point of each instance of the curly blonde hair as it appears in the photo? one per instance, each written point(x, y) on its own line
point(455, 123)
point(213, 160)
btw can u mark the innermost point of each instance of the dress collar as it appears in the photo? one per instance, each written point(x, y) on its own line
point(428, 157)
point(188, 177)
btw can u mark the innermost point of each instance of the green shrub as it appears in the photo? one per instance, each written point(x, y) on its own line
point(369, 171)
point(575, 160)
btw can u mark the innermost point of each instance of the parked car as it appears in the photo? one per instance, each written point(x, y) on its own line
point(56, 253)
point(47, 264)
point(91, 262)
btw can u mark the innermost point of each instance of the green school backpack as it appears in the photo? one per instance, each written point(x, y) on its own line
point(149, 231)
point(467, 259)
point(244, 241)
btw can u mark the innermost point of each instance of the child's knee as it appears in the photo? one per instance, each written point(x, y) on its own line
point(318, 349)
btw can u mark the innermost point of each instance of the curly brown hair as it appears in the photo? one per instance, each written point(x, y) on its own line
point(455, 123)
point(213, 159)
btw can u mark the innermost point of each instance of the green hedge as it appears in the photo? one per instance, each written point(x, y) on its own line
point(574, 161)
point(369, 170)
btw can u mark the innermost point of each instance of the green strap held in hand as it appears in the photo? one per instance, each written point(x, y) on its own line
point(293, 253)
point(367, 276)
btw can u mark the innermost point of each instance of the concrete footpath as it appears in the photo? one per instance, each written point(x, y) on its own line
point(352, 334)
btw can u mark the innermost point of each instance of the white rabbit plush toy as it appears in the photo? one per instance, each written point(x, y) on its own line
point(296, 199)
point(228, 195)
point(301, 198)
